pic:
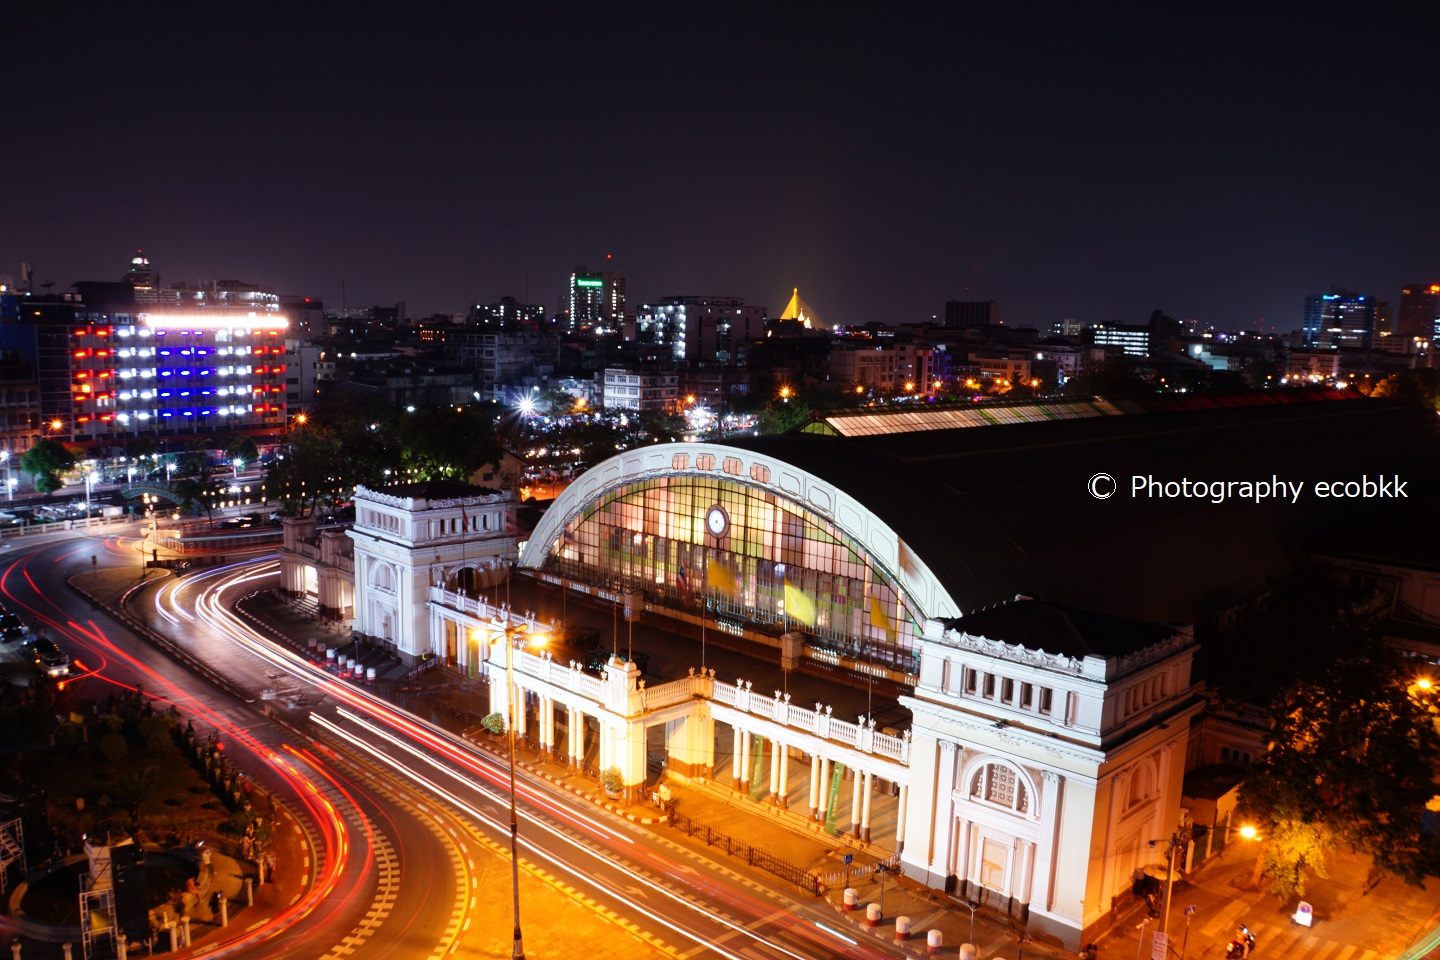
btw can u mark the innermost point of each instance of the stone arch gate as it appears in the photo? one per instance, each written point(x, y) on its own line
point(622, 708)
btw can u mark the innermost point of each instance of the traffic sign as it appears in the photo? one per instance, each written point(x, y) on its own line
point(848, 859)
point(1159, 947)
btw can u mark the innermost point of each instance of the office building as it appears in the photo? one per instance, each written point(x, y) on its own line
point(1419, 314)
point(969, 314)
point(700, 328)
point(1340, 318)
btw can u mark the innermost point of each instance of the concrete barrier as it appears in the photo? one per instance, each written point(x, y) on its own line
point(872, 914)
point(852, 899)
point(902, 928)
point(934, 940)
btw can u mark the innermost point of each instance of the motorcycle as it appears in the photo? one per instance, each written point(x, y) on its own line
point(1242, 945)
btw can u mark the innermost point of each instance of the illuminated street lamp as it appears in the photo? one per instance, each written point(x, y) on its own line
point(236, 464)
point(91, 477)
point(508, 633)
point(786, 393)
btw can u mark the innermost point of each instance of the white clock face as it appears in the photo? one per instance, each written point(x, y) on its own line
point(717, 522)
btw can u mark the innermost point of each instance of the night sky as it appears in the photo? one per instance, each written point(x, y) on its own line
point(1095, 167)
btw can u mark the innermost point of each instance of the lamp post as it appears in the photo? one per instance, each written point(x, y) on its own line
point(90, 478)
point(509, 633)
point(1140, 948)
point(972, 906)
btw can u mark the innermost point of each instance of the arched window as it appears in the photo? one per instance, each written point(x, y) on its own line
point(1001, 785)
point(1142, 784)
point(382, 577)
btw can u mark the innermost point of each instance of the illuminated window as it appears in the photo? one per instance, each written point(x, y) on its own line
point(680, 461)
point(759, 473)
point(706, 461)
point(1000, 785)
point(732, 466)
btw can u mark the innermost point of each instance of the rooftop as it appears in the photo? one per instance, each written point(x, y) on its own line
point(1037, 625)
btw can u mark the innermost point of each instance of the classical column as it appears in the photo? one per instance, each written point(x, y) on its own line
point(783, 791)
point(1044, 873)
point(823, 806)
point(1020, 890)
point(900, 819)
point(965, 857)
point(855, 801)
point(572, 745)
point(735, 769)
point(942, 849)
point(865, 806)
point(776, 748)
point(547, 725)
point(745, 744)
point(814, 783)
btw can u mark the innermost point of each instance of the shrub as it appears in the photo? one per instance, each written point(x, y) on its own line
point(112, 747)
point(612, 781)
point(493, 723)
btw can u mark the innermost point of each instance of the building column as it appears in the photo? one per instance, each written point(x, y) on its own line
point(865, 806)
point(942, 847)
point(900, 819)
point(776, 748)
point(1044, 874)
point(1020, 889)
point(814, 783)
point(856, 792)
point(572, 749)
point(547, 725)
point(965, 857)
point(521, 721)
point(783, 791)
point(735, 768)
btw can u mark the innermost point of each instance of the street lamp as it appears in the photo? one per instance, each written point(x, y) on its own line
point(1176, 842)
point(91, 477)
point(972, 906)
point(509, 632)
point(236, 464)
point(9, 486)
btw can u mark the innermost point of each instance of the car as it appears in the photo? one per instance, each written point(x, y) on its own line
point(12, 628)
point(49, 659)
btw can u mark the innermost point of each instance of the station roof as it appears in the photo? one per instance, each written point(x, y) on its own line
point(1004, 509)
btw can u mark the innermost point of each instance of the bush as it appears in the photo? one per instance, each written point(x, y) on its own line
point(154, 730)
point(112, 747)
point(612, 781)
point(493, 723)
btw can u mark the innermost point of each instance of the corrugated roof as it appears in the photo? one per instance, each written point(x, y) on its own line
point(1004, 510)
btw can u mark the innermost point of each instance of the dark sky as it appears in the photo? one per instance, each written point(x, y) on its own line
point(1093, 166)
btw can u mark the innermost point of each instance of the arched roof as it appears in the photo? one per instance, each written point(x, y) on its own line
point(892, 553)
point(966, 519)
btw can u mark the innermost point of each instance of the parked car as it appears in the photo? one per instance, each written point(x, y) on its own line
point(12, 628)
point(50, 660)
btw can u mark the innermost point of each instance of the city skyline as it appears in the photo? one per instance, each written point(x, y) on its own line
point(1095, 171)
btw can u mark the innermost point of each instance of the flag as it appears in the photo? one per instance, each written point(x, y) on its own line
point(798, 605)
point(464, 519)
point(680, 580)
point(879, 618)
point(719, 577)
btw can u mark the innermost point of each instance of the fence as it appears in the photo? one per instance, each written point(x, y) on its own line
point(754, 856)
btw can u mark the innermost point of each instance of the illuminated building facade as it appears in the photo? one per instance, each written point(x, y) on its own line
point(597, 300)
point(1419, 314)
point(1339, 318)
point(175, 372)
point(700, 328)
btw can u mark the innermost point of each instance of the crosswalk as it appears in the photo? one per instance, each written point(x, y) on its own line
point(1281, 939)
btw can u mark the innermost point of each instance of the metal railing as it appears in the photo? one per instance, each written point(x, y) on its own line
point(754, 856)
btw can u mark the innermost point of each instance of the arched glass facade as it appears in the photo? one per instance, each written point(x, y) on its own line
point(652, 535)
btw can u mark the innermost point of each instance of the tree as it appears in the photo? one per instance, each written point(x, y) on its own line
point(1353, 758)
point(242, 448)
point(45, 462)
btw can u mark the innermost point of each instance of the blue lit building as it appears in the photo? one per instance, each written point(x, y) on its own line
point(1339, 318)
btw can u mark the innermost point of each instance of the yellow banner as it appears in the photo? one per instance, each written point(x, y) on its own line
point(719, 577)
point(799, 606)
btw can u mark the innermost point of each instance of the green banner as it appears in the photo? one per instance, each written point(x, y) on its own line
point(757, 777)
point(835, 780)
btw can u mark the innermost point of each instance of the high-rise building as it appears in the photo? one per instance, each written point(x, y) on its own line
point(507, 312)
point(1340, 318)
point(965, 314)
point(1419, 314)
point(700, 327)
point(597, 300)
point(141, 275)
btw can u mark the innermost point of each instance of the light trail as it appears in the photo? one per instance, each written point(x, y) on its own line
point(210, 608)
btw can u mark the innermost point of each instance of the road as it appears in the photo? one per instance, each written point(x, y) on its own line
point(673, 897)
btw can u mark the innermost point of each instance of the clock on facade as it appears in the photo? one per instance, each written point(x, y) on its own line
point(717, 521)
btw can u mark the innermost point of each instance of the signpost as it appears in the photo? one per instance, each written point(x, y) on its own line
point(1159, 945)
